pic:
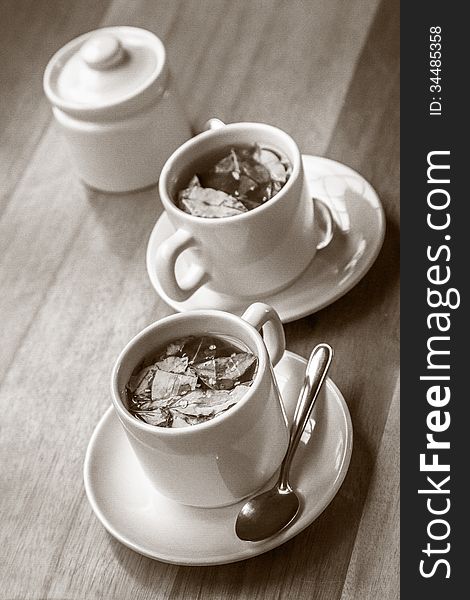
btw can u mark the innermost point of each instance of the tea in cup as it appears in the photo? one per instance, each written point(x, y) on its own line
point(239, 202)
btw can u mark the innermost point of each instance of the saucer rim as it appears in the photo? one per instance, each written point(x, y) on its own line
point(287, 315)
point(254, 548)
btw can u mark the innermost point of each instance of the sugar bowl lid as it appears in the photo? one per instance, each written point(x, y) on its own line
point(106, 73)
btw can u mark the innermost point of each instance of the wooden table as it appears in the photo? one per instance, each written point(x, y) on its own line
point(74, 289)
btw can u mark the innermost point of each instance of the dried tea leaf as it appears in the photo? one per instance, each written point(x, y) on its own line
point(245, 186)
point(228, 164)
point(179, 421)
point(223, 182)
point(273, 163)
point(207, 372)
point(255, 171)
point(234, 367)
point(167, 385)
point(197, 407)
point(194, 182)
point(156, 417)
point(211, 403)
point(175, 347)
point(224, 175)
point(173, 364)
point(221, 373)
point(197, 410)
point(195, 348)
point(144, 405)
point(210, 203)
point(276, 186)
point(142, 381)
point(236, 165)
point(197, 396)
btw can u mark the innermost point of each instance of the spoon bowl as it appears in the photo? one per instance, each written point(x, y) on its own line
point(270, 512)
point(277, 506)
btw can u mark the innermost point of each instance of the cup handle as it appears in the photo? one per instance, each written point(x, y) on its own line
point(167, 255)
point(329, 223)
point(213, 123)
point(263, 316)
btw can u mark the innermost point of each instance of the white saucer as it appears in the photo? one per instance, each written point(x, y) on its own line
point(333, 272)
point(135, 514)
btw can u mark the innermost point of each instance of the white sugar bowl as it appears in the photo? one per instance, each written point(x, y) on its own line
point(113, 97)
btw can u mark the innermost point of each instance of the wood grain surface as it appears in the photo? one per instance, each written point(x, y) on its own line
point(75, 290)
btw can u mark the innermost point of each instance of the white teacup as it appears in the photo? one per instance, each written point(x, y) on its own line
point(223, 460)
point(248, 255)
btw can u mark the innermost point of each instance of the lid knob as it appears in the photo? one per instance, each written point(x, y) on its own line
point(102, 51)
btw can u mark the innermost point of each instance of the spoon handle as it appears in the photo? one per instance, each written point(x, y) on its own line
point(315, 374)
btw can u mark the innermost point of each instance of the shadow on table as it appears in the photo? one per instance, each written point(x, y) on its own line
point(123, 221)
point(365, 301)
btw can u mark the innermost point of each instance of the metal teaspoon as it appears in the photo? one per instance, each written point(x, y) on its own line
point(270, 512)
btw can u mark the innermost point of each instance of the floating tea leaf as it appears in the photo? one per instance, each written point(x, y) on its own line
point(223, 372)
point(174, 347)
point(142, 381)
point(242, 180)
point(210, 203)
point(156, 417)
point(194, 380)
point(277, 168)
point(173, 364)
point(168, 385)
